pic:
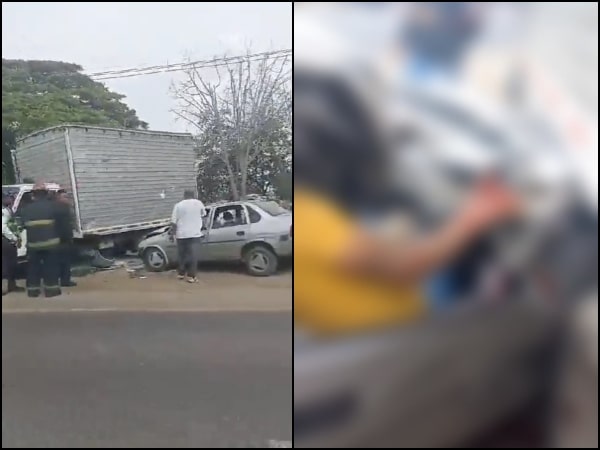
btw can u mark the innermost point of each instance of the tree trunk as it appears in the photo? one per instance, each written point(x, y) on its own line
point(231, 177)
point(244, 181)
point(244, 163)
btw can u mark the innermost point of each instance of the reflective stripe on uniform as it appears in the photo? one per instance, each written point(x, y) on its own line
point(45, 244)
point(39, 223)
point(34, 289)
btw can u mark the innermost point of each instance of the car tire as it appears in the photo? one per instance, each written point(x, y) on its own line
point(154, 259)
point(260, 261)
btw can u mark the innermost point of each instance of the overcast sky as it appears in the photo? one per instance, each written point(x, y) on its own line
point(101, 36)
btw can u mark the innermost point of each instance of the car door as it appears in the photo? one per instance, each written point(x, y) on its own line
point(226, 237)
point(169, 243)
point(204, 253)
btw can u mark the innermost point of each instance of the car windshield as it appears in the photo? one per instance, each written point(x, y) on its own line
point(272, 208)
point(10, 191)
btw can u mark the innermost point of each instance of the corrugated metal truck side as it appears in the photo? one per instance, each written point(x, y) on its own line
point(121, 180)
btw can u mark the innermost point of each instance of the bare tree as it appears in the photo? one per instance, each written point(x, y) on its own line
point(245, 109)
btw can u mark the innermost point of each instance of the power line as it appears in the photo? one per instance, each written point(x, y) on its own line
point(190, 63)
point(165, 68)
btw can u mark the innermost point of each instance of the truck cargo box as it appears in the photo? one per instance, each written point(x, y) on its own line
point(121, 180)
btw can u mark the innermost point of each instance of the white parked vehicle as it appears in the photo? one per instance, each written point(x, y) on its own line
point(257, 233)
point(22, 195)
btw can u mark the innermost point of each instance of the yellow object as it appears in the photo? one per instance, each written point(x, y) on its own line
point(45, 244)
point(39, 223)
point(328, 301)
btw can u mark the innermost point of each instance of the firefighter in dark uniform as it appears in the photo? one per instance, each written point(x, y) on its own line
point(44, 224)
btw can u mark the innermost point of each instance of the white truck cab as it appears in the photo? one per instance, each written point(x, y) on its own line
point(22, 195)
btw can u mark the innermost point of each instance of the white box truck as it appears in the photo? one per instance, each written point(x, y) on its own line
point(123, 182)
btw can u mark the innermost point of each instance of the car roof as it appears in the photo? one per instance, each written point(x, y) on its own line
point(224, 203)
point(29, 186)
point(237, 202)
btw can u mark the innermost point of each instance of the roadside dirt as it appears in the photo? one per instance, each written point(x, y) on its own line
point(119, 290)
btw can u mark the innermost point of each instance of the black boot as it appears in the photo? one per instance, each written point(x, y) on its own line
point(69, 283)
point(52, 292)
point(33, 292)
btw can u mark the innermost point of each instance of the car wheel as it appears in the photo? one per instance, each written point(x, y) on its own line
point(260, 261)
point(155, 260)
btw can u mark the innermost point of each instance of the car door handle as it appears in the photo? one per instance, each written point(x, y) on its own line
point(240, 233)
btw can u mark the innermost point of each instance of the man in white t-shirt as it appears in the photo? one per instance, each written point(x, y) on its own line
point(186, 225)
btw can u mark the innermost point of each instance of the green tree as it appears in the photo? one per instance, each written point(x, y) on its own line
point(8, 142)
point(284, 186)
point(241, 114)
point(42, 94)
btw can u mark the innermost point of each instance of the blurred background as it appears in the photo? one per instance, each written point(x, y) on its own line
point(401, 112)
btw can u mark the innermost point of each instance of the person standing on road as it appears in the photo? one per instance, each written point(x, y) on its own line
point(44, 223)
point(65, 250)
point(186, 226)
point(10, 244)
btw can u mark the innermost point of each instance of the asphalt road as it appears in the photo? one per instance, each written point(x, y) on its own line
point(146, 379)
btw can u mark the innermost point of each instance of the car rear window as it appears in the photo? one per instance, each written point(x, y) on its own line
point(272, 208)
